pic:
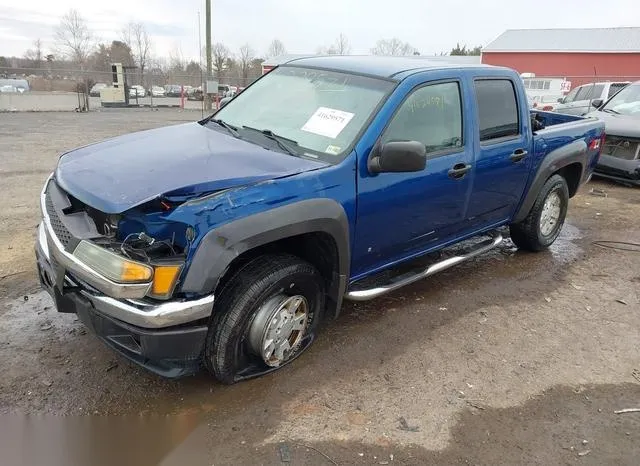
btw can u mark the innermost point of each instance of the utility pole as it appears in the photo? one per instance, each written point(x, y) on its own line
point(202, 83)
point(207, 96)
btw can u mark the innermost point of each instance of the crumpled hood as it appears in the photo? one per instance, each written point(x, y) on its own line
point(126, 171)
point(619, 125)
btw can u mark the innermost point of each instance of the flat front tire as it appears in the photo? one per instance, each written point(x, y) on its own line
point(544, 222)
point(264, 317)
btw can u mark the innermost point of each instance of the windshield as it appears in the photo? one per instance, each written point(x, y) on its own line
point(322, 111)
point(625, 102)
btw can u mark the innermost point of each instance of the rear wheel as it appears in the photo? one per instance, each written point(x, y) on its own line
point(265, 316)
point(542, 226)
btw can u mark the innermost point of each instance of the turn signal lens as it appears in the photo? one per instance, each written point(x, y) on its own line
point(164, 279)
point(132, 272)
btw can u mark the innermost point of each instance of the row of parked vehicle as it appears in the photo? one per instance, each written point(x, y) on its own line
point(616, 103)
point(579, 101)
point(13, 86)
point(138, 91)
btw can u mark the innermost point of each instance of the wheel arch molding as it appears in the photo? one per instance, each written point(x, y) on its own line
point(221, 247)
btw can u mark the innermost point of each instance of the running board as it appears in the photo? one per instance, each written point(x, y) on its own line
point(404, 280)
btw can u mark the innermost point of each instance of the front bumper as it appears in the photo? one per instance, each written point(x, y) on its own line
point(113, 299)
point(171, 352)
point(615, 168)
point(165, 337)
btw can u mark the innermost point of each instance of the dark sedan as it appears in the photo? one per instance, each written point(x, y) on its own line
point(620, 158)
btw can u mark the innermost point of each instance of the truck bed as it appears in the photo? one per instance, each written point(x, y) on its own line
point(549, 125)
point(557, 134)
point(552, 119)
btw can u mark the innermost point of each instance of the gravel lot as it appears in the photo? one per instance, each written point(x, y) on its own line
point(513, 358)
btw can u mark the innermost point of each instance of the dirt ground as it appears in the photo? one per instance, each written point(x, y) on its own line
point(513, 358)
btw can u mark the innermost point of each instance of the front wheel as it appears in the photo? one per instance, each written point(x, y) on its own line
point(542, 225)
point(265, 316)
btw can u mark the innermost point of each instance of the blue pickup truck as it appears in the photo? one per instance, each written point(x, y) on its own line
point(224, 243)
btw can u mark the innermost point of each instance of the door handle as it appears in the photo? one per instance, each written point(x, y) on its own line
point(459, 170)
point(518, 155)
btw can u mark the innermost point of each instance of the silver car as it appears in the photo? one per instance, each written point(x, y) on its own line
point(578, 101)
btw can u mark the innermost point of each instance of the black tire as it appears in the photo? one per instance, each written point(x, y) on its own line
point(528, 234)
point(228, 354)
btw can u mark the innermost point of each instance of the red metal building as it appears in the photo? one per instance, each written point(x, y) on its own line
point(577, 54)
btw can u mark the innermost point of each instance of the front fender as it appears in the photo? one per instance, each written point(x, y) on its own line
point(220, 246)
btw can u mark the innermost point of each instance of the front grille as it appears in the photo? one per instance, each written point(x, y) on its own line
point(56, 224)
point(621, 147)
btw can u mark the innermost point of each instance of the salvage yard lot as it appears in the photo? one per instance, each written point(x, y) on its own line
point(511, 358)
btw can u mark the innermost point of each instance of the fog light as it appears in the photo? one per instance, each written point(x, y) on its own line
point(111, 265)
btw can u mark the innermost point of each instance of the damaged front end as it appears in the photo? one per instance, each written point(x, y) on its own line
point(120, 274)
point(133, 255)
point(620, 159)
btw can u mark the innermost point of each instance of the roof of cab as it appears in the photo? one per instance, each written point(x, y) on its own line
point(383, 66)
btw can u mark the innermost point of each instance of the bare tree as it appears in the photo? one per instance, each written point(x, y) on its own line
point(245, 60)
point(276, 48)
point(340, 47)
point(176, 60)
point(35, 55)
point(136, 37)
point(393, 47)
point(220, 54)
point(74, 38)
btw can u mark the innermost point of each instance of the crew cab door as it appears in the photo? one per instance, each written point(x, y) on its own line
point(402, 214)
point(503, 142)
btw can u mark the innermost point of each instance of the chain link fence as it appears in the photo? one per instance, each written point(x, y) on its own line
point(51, 88)
point(74, 80)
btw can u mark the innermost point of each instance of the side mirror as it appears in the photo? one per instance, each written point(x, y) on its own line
point(398, 157)
point(597, 103)
point(561, 100)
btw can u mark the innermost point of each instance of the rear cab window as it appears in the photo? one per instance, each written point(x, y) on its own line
point(498, 114)
point(614, 88)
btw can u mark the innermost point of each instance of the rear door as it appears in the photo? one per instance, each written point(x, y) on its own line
point(502, 142)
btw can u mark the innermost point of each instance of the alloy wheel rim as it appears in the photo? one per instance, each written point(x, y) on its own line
point(550, 216)
point(278, 328)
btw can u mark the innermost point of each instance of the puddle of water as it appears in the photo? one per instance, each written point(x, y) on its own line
point(565, 249)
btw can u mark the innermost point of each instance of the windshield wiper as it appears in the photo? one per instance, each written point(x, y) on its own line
point(610, 110)
point(232, 129)
point(280, 140)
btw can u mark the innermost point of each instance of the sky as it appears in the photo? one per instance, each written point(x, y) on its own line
point(305, 25)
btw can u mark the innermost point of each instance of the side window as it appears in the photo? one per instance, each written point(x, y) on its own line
point(591, 92)
point(432, 115)
point(582, 93)
point(596, 92)
point(497, 109)
point(571, 96)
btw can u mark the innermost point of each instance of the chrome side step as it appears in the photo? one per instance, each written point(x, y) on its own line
point(399, 282)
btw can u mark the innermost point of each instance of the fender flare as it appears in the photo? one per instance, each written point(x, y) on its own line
point(222, 245)
point(574, 152)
